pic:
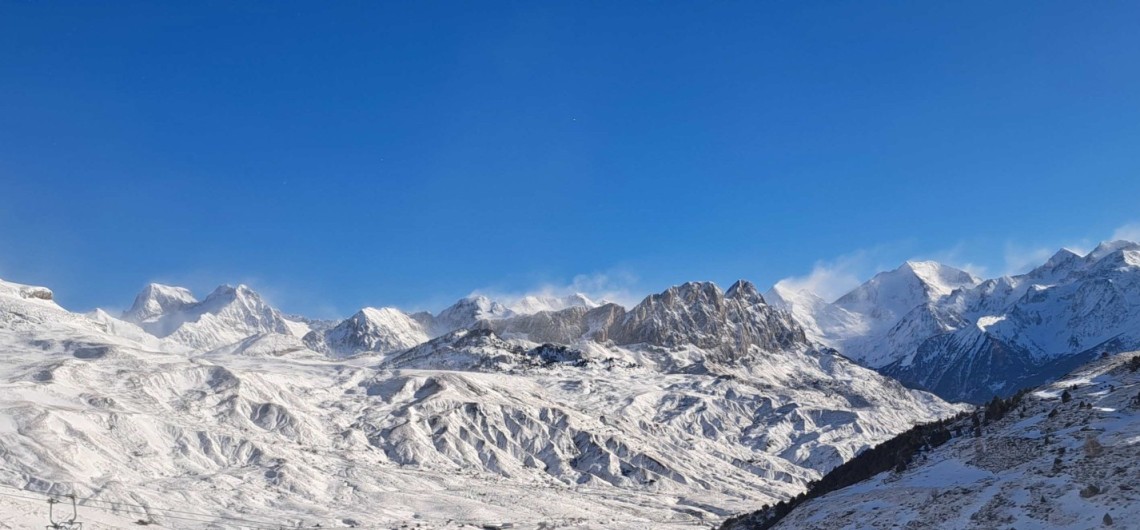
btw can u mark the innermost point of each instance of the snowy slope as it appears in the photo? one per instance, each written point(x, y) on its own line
point(466, 313)
point(369, 330)
point(531, 304)
point(862, 322)
point(696, 404)
point(388, 329)
point(1033, 469)
point(227, 315)
point(939, 328)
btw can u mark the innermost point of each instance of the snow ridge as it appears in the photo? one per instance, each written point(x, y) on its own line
point(227, 315)
point(942, 329)
point(370, 330)
point(693, 405)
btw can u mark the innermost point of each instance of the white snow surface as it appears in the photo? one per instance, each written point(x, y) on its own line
point(941, 328)
point(1031, 470)
point(860, 322)
point(531, 304)
point(381, 330)
point(467, 312)
point(466, 429)
point(227, 315)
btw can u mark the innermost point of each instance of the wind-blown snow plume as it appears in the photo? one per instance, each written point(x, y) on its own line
point(829, 279)
point(582, 290)
point(1128, 232)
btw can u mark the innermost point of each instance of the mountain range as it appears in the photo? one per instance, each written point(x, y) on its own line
point(966, 339)
point(691, 406)
point(695, 404)
point(927, 324)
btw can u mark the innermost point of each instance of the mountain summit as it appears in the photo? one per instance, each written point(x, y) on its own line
point(157, 300)
point(370, 330)
point(694, 404)
point(227, 315)
point(943, 329)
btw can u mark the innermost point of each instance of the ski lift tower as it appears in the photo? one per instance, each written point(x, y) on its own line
point(69, 524)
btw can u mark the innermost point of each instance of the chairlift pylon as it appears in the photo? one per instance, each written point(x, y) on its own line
point(70, 524)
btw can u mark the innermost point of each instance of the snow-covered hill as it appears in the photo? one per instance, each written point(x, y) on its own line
point(693, 405)
point(1065, 457)
point(466, 313)
point(227, 315)
point(370, 330)
point(865, 323)
point(942, 329)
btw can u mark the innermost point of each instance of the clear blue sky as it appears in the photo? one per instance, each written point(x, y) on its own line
point(407, 153)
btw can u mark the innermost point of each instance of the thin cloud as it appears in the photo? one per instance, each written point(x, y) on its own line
point(1128, 232)
point(616, 287)
point(956, 257)
point(831, 279)
point(1020, 259)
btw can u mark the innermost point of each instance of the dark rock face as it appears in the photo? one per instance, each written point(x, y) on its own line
point(562, 327)
point(974, 367)
point(556, 354)
point(728, 326)
point(700, 314)
point(1039, 326)
point(40, 293)
point(481, 349)
point(601, 320)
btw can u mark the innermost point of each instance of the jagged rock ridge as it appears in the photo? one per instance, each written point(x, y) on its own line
point(696, 404)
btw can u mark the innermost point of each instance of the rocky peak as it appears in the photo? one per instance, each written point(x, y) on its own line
point(1062, 257)
point(745, 291)
point(156, 300)
point(27, 292)
point(1109, 247)
point(1125, 258)
point(889, 295)
point(562, 327)
point(700, 314)
point(380, 330)
point(37, 293)
point(467, 312)
point(227, 315)
point(230, 293)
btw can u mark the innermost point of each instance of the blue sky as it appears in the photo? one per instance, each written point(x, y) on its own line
point(409, 153)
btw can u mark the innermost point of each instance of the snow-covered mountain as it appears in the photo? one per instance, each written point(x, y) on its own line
point(370, 330)
point(466, 313)
point(531, 304)
point(227, 315)
point(942, 329)
point(865, 323)
point(695, 404)
point(1061, 457)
